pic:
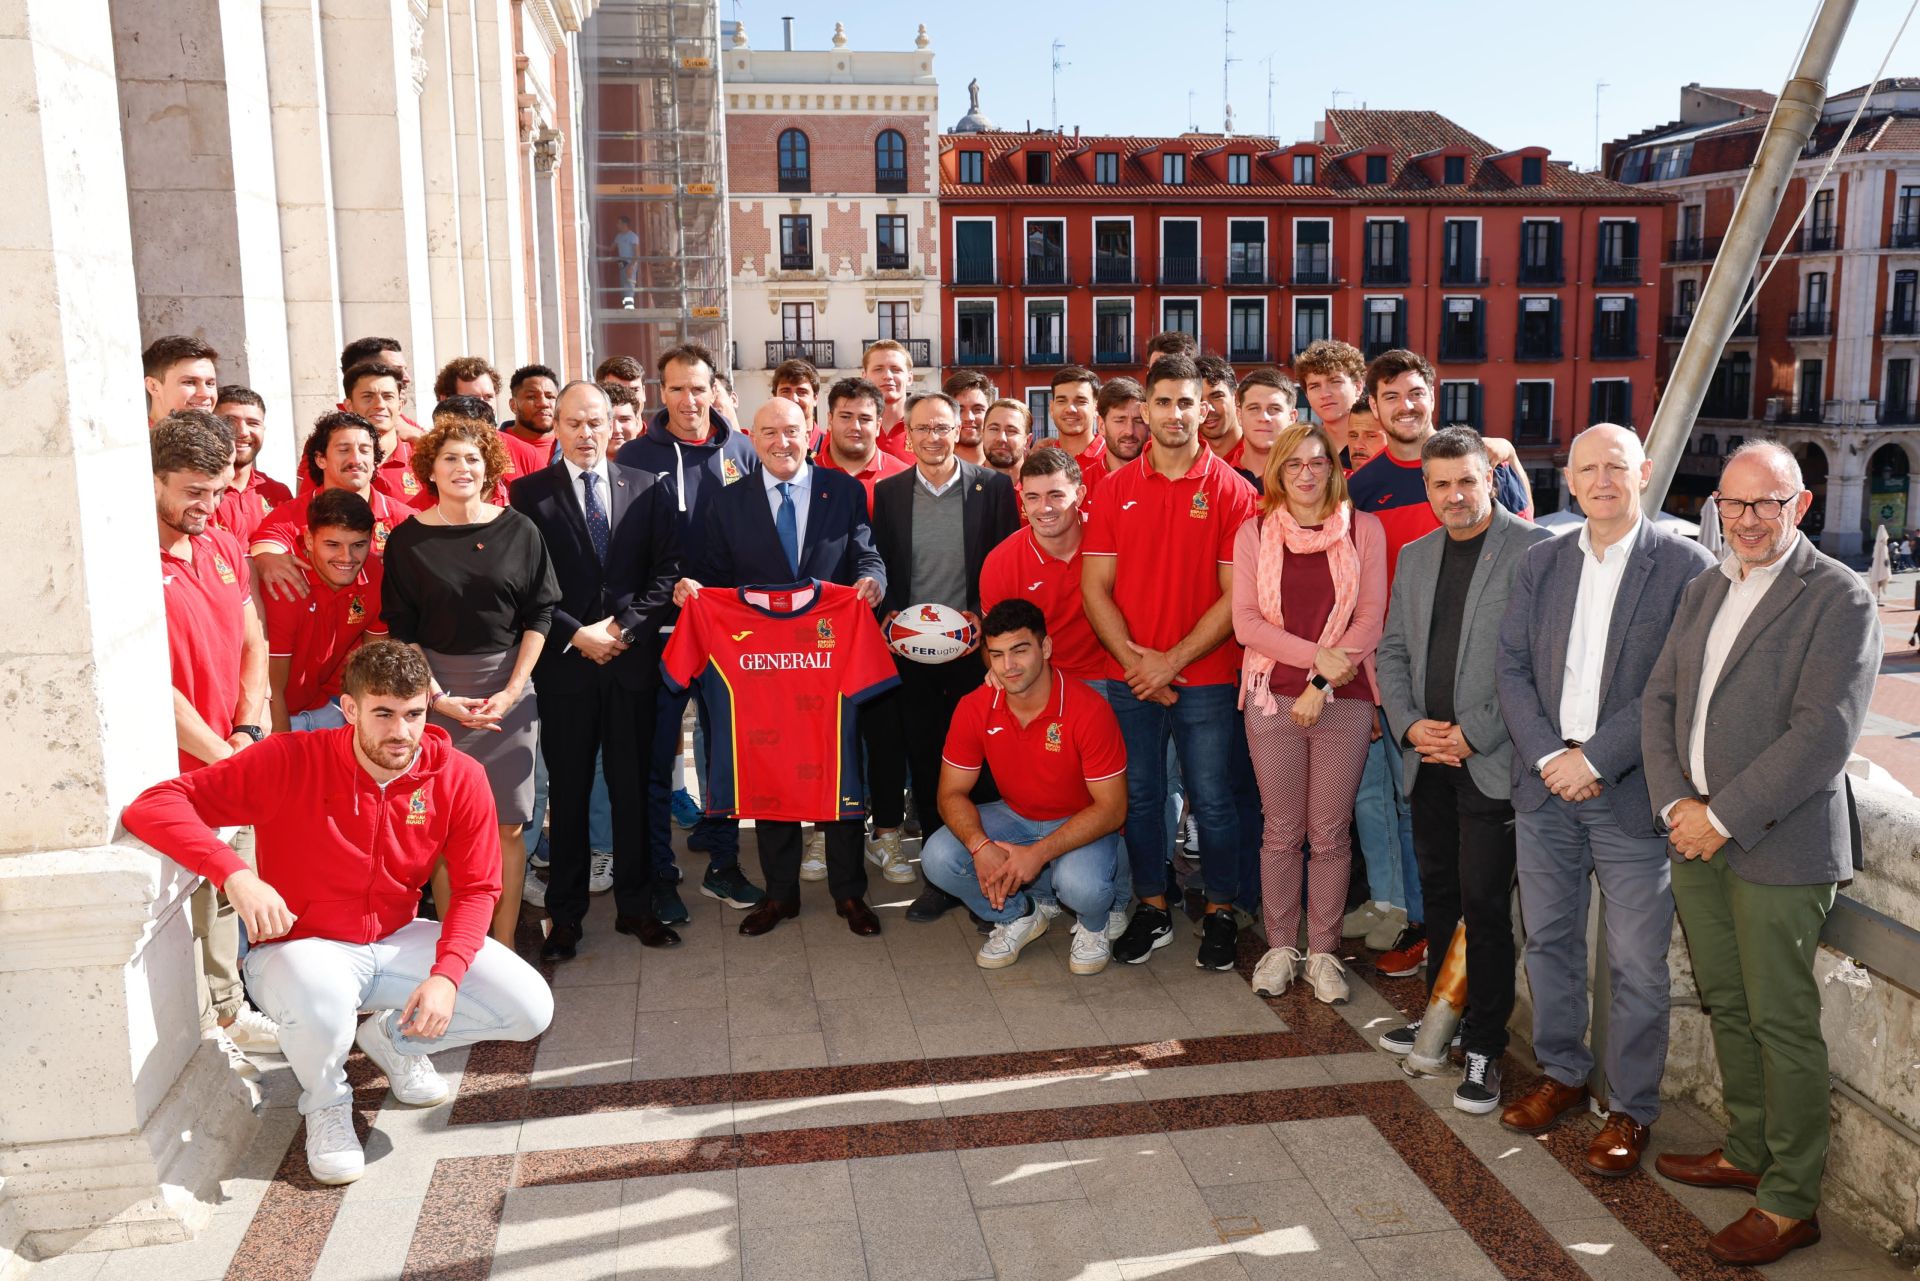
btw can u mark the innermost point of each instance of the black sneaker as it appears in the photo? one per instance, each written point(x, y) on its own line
point(1479, 1090)
point(731, 886)
point(1220, 945)
point(1400, 1040)
point(1150, 928)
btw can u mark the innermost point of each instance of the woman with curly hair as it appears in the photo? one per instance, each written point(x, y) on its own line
point(469, 584)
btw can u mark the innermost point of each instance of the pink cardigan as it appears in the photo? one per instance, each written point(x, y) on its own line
point(1253, 630)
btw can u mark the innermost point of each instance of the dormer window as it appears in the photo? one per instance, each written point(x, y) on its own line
point(1453, 170)
point(1239, 170)
point(1173, 169)
point(1376, 169)
point(1106, 168)
point(1039, 168)
point(1531, 171)
point(1303, 171)
point(973, 167)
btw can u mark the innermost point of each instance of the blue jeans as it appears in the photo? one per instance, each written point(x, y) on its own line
point(1385, 823)
point(326, 716)
point(1080, 880)
point(1200, 725)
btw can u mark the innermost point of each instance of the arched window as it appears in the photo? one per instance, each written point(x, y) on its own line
point(796, 174)
point(890, 161)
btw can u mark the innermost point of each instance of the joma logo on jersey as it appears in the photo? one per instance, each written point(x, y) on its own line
point(1199, 510)
point(417, 808)
point(824, 631)
point(221, 568)
point(1053, 736)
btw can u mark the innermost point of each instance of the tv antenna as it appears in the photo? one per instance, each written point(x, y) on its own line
point(1269, 61)
point(1598, 86)
point(1226, 62)
point(1058, 45)
point(1193, 125)
point(1338, 94)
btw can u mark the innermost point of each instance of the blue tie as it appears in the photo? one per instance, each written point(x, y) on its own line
point(597, 528)
point(787, 525)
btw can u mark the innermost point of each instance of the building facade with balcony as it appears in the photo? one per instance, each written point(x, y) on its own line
point(1523, 281)
point(833, 207)
point(1827, 360)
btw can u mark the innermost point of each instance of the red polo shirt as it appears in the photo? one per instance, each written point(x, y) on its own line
point(393, 476)
point(894, 441)
point(1168, 539)
point(316, 633)
point(879, 467)
point(1020, 568)
point(206, 599)
point(1042, 768)
point(1093, 462)
point(242, 510)
point(285, 530)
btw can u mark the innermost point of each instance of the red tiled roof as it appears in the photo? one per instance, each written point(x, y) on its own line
point(1754, 99)
point(1895, 133)
point(1890, 84)
point(1409, 133)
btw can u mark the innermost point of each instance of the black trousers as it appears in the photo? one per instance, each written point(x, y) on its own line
point(1463, 841)
point(780, 849)
point(907, 728)
point(605, 719)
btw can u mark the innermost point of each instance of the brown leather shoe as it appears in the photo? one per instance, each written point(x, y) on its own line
point(860, 917)
point(769, 914)
point(1540, 1108)
point(1615, 1151)
point(1752, 1239)
point(1704, 1171)
point(648, 930)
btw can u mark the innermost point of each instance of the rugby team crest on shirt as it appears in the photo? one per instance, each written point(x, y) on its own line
point(223, 569)
point(265, 506)
point(409, 483)
point(824, 631)
point(380, 531)
point(1199, 510)
point(1053, 737)
point(356, 612)
point(417, 808)
point(729, 471)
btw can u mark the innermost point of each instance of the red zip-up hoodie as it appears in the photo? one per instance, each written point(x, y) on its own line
point(348, 855)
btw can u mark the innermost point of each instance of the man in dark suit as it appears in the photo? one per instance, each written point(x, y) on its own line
point(1586, 620)
point(1750, 714)
point(934, 525)
point(609, 533)
point(783, 523)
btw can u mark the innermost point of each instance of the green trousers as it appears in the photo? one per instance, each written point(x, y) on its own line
point(1752, 947)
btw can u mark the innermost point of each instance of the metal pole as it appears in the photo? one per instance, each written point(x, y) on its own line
point(1794, 117)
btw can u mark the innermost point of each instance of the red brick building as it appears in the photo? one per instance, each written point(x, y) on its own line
point(1523, 281)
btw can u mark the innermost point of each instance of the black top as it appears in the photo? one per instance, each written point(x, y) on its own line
point(468, 589)
point(1457, 560)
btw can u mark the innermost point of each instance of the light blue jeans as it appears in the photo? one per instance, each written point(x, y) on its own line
point(1385, 824)
point(1082, 880)
point(326, 716)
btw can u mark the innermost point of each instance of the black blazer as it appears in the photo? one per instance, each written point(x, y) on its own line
point(739, 547)
point(636, 584)
point(988, 513)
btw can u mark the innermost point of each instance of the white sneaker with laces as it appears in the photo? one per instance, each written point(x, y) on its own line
point(254, 1032)
point(1327, 977)
point(813, 858)
point(533, 890)
point(1190, 835)
point(1276, 971)
point(1003, 946)
point(334, 1155)
point(1091, 951)
point(1360, 920)
point(1117, 920)
point(410, 1076)
point(242, 1066)
point(599, 873)
point(1049, 910)
point(884, 851)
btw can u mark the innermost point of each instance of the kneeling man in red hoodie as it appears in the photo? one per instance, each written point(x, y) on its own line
point(349, 823)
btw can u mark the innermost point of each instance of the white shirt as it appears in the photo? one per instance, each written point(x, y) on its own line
point(1743, 596)
point(930, 487)
point(575, 472)
point(1587, 641)
point(800, 491)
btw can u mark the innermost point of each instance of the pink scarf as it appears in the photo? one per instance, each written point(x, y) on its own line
point(1281, 533)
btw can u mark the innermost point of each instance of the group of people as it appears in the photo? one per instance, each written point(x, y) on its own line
point(1206, 624)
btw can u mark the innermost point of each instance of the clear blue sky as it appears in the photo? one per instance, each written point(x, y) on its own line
point(1517, 72)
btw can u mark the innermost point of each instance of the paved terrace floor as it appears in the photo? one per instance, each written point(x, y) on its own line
point(811, 1106)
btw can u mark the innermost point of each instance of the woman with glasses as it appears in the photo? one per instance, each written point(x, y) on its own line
point(1309, 601)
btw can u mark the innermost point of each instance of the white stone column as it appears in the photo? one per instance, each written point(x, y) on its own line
point(505, 161)
point(200, 184)
point(470, 171)
point(379, 187)
point(445, 259)
point(116, 1120)
point(303, 170)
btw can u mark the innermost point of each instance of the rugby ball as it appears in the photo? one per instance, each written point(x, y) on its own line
point(931, 634)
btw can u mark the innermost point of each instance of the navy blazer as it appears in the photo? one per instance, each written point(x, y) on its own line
point(635, 586)
point(739, 547)
point(1534, 639)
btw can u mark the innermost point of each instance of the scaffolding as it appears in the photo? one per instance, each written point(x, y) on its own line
point(656, 157)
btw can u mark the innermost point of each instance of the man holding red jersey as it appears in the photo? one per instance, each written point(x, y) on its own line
point(351, 822)
point(309, 639)
point(251, 494)
point(1053, 839)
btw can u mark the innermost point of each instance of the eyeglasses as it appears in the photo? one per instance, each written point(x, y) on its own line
point(942, 429)
point(1318, 466)
point(1764, 508)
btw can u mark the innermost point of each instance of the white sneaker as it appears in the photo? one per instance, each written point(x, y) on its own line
point(1276, 971)
point(333, 1149)
point(1327, 977)
point(541, 855)
point(1049, 910)
point(254, 1032)
point(1003, 946)
point(599, 873)
point(1117, 923)
point(533, 890)
point(1360, 920)
point(242, 1066)
point(1091, 951)
point(813, 860)
point(1190, 835)
point(410, 1076)
point(885, 853)
point(1386, 932)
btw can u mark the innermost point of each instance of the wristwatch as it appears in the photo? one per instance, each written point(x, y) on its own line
point(253, 732)
point(628, 636)
point(1320, 683)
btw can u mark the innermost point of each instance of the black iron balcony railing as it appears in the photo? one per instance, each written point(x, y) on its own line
point(1182, 271)
point(1694, 249)
point(1901, 322)
point(919, 350)
point(1615, 270)
point(1462, 351)
point(796, 179)
point(1247, 355)
point(1465, 271)
point(1114, 269)
point(1533, 429)
point(974, 269)
point(1675, 326)
point(1615, 347)
point(890, 181)
point(1536, 347)
point(889, 260)
point(1112, 354)
point(1315, 269)
point(1380, 344)
point(1810, 324)
point(800, 261)
point(816, 352)
point(1248, 269)
point(964, 354)
point(1905, 234)
point(1048, 268)
point(1727, 407)
point(1049, 354)
point(1813, 413)
point(1392, 272)
point(1543, 273)
point(1823, 238)
point(1895, 413)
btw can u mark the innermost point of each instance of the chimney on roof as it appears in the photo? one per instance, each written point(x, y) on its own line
point(1076, 132)
point(786, 26)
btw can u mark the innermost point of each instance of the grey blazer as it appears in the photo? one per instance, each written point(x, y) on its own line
point(1782, 720)
point(1402, 656)
point(1533, 662)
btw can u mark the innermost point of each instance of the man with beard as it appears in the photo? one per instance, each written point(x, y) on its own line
point(1265, 399)
point(251, 493)
point(533, 393)
point(341, 453)
point(1365, 440)
point(974, 394)
point(1219, 416)
point(1004, 437)
point(1123, 422)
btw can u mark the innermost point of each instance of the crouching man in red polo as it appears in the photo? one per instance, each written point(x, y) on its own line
point(349, 822)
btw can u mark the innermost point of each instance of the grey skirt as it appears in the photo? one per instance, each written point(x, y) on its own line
point(505, 753)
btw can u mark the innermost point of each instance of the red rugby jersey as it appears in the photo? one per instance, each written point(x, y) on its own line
point(317, 633)
point(206, 600)
point(781, 670)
